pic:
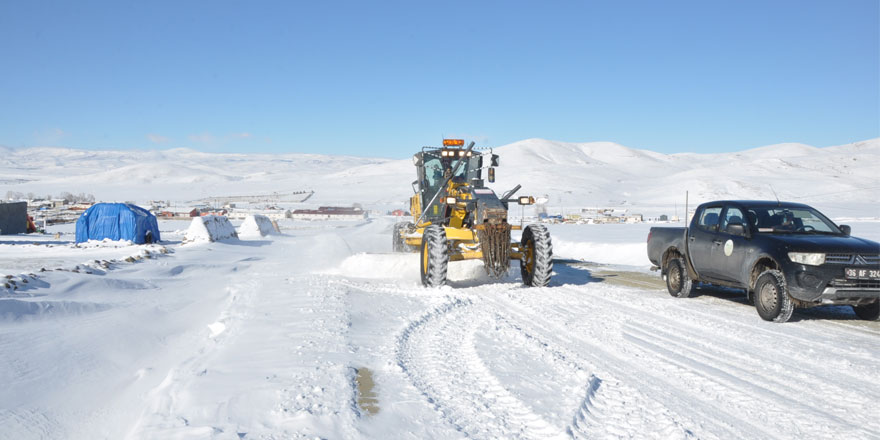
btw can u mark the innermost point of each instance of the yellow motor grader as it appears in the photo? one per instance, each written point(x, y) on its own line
point(456, 217)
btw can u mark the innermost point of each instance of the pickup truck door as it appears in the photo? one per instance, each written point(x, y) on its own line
point(731, 253)
point(701, 240)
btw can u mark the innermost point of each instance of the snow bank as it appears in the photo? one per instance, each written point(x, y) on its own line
point(628, 254)
point(256, 226)
point(406, 266)
point(210, 228)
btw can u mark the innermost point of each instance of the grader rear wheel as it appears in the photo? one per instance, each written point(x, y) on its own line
point(536, 264)
point(434, 256)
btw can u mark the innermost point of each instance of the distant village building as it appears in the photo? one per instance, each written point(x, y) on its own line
point(399, 213)
point(633, 218)
point(13, 218)
point(272, 214)
point(329, 213)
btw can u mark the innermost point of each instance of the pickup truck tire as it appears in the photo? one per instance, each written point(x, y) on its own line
point(868, 312)
point(678, 282)
point(771, 297)
point(434, 256)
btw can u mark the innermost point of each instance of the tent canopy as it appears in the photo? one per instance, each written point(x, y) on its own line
point(117, 221)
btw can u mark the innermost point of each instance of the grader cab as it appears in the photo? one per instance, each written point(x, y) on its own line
point(456, 217)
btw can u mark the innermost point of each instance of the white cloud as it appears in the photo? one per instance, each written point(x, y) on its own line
point(212, 140)
point(204, 138)
point(50, 136)
point(157, 139)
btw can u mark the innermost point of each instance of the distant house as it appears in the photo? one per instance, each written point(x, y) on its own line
point(205, 212)
point(329, 213)
point(13, 218)
point(399, 213)
point(194, 212)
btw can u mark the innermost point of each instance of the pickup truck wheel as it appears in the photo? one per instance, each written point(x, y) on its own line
point(678, 282)
point(868, 312)
point(771, 297)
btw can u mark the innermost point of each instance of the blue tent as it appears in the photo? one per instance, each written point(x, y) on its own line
point(117, 221)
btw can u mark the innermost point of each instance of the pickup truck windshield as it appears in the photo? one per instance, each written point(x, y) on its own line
point(790, 220)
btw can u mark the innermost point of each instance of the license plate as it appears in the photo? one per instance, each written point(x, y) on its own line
point(860, 273)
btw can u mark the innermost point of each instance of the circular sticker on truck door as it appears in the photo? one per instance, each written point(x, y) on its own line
point(728, 247)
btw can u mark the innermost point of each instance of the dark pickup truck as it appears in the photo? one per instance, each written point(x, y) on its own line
point(784, 255)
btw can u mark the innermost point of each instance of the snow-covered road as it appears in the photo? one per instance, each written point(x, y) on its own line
point(262, 339)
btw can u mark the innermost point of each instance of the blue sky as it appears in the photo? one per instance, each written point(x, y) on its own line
point(385, 78)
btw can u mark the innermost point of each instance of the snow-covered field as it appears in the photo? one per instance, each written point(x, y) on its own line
point(263, 339)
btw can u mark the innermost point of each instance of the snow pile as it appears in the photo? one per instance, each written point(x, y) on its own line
point(210, 228)
point(405, 266)
point(256, 226)
point(628, 254)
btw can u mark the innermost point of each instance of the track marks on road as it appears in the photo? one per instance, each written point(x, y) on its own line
point(437, 352)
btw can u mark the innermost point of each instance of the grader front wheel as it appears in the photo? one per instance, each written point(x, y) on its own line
point(536, 264)
point(434, 256)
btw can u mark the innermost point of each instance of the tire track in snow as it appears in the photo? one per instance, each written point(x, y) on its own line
point(610, 409)
point(816, 339)
point(759, 400)
point(734, 355)
point(764, 334)
point(707, 369)
point(679, 400)
point(437, 352)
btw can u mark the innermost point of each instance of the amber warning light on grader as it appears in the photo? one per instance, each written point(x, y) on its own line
point(453, 142)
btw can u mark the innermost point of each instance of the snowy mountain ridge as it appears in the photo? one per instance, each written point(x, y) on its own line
point(571, 174)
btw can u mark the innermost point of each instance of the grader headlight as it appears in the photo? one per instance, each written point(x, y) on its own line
point(526, 200)
point(450, 200)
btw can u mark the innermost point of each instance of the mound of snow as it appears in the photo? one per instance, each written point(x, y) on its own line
point(405, 266)
point(210, 228)
point(256, 226)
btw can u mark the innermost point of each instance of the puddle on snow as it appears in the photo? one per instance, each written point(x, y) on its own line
point(366, 400)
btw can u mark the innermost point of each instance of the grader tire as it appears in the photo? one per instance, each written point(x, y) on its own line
point(434, 256)
point(536, 264)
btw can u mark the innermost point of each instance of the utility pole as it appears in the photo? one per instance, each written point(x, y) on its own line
point(686, 207)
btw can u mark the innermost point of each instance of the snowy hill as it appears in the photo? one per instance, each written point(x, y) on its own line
point(841, 179)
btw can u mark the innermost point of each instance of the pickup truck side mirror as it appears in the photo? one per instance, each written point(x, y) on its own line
point(737, 229)
point(845, 229)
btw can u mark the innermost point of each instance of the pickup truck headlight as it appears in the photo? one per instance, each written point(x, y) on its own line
point(807, 258)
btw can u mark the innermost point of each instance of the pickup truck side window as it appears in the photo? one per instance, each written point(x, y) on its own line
point(709, 218)
point(733, 215)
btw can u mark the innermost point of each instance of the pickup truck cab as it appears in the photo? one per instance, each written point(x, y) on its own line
point(784, 255)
